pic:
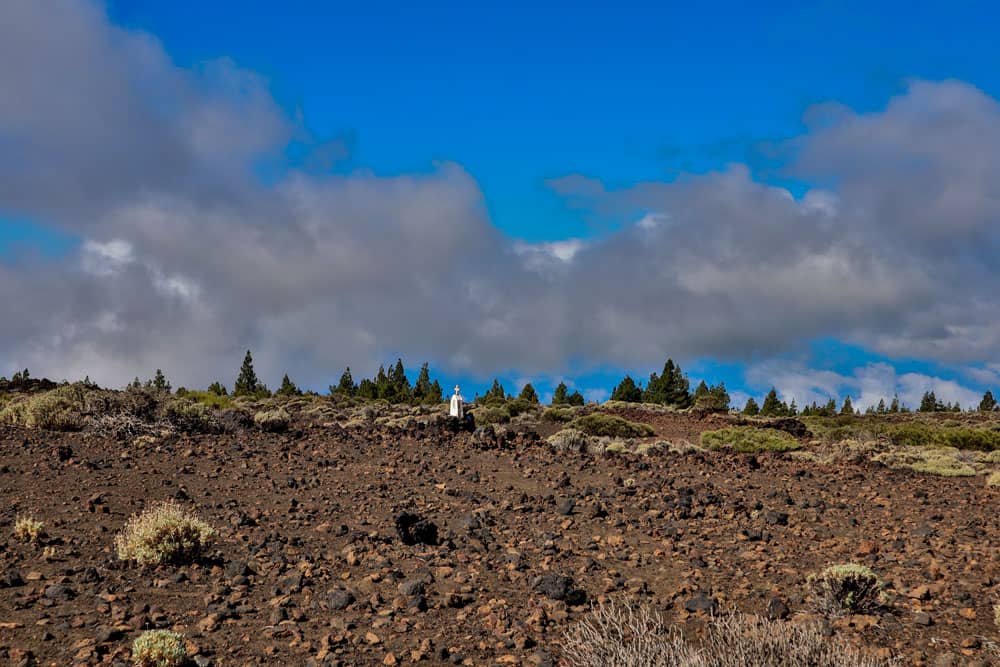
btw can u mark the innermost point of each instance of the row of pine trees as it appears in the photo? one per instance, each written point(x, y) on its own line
point(671, 387)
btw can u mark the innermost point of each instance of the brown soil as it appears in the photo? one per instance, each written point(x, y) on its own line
point(304, 516)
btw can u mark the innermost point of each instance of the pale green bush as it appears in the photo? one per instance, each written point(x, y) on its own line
point(164, 533)
point(159, 648)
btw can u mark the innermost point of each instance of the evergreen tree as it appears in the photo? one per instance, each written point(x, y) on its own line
point(529, 394)
point(894, 405)
point(559, 396)
point(929, 402)
point(246, 383)
point(772, 407)
point(988, 404)
point(383, 388)
point(848, 407)
point(701, 390)
point(627, 391)
point(435, 395)
point(218, 389)
point(422, 388)
point(136, 383)
point(367, 389)
point(496, 392)
point(346, 386)
point(400, 383)
point(793, 409)
point(576, 398)
point(881, 409)
point(722, 395)
point(830, 409)
point(160, 382)
point(751, 408)
point(288, 388)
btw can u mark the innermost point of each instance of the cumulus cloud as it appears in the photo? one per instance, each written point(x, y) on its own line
point(187, 258)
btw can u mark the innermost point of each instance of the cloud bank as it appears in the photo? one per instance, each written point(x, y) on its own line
point(188, 256)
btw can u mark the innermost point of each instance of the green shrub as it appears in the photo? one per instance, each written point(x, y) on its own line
point(557, 415)
point(164, 533)
point(159, 648)
point(612, 426)
point(491, 414)
point(615, 447)
point(210, 399)
point(749, 439)
point(273, 421)
point(847, 588)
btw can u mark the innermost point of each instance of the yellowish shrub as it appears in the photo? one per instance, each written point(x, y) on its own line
point(164, 533)
point(944, 461)
point(273, 421)
point(159, 648)
point(27, 529)
point(993, 479)
point(749, 439)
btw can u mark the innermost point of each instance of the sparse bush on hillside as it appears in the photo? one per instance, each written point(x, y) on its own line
point(189, 417)
point(612, 426)
point(569, 440)
point(164, 533)
point(491, 414)
point(847, 588)
point(28, 529)
point(159, 648)
point(57, 410)
point(944, 461)
point(273, 421)
point(749, 439)
point(619, 635)
point(993, 480)
point(557, 415)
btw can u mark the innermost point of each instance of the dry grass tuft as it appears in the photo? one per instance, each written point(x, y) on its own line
point(159, 648)
point(273, 421)
point(27, 529)
point(164, 533)
point(623, 636)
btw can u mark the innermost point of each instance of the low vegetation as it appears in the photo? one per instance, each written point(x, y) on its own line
point(611, 426)
point(847, 588)
point(159, 648)
point(620, 635)
point(273, 421)
point(749, 439)
point(944, 461)
point(164, 533)
point(28, 529)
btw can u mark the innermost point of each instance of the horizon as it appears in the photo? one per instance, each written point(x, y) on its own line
point(802, 198)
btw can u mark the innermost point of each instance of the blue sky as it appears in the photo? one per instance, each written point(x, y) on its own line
point(520, 94)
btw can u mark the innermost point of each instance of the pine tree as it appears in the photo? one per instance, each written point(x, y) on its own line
point(701, 390)
point(772, 407)
point(576, 398)
point(435, 395)
point(288, 388)
point(496, 392)
point(383, 388)
point(894, 405)
point(218, 389)
point(721, 395)
point(246, 383)
point(848, 407)
point(627, 391)
point(881, 409)
point(929, 402)
point(793, 409)
point(988, 404)
point(559, 396)
point(751, 408)
point(830, 409)
point(422, 388)
point(529, 394)
point(160, 382)
point(400, 383)
point(346, 386)
point(367, 389)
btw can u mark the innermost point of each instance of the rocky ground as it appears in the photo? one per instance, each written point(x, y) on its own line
point(392, 545)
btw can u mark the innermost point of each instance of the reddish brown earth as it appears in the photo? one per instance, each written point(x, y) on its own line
point(306, 523)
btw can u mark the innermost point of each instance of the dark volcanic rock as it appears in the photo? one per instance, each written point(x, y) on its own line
point(701, 602)
point(414, 529)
